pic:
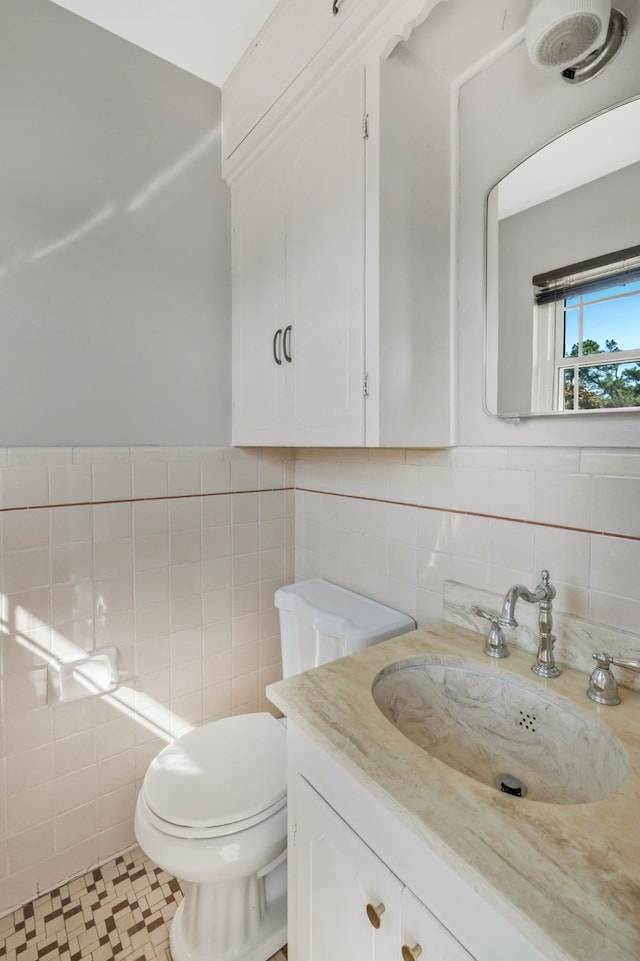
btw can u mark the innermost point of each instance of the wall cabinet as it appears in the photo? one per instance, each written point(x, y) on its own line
point(341, 249)
point(298, 264)
point(350, 904)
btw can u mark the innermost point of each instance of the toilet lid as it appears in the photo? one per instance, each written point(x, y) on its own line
point(221, 773)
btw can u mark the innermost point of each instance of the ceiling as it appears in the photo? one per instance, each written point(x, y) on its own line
point(204, 37)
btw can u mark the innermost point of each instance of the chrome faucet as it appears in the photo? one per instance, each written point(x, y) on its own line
point(543, 595)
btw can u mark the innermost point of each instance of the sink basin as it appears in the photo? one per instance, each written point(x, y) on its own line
point(501, 730)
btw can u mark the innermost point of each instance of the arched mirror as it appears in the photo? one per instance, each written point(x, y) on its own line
point(563, 275)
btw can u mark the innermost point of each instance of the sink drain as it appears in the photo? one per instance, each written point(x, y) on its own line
point(509, 784)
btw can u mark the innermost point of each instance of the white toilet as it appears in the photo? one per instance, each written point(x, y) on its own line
point(212, 808)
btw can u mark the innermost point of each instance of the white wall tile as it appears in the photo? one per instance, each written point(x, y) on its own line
point(470, 490)
point(563, 460)
point(186, 581)
point(75, 826)
point(71, 562)
point(565, 553)
point(31, 847)
point(184, 478)
point(116, 807)
point(150, 479)
point(470, 537)
point(185, 514)
point(152, 655)
point(101, 455)
point(112, 521)
point(29, 768)
point(614, 567)
point(434, 486)
point(150, 551)
point(71, 524)
point(26, 570)
point(26, 691)
point(150, 518)
point(621, 612)
point(216, 511)
point(402, 524)
point(152, 621)
point(512, 494)
point(30, 808)
point(116, 772)
point(79, 787)
point(111, 482)
point(22, 530)
point(615, 505)
point(511, 545)
point(185, 547)
point(113, 594)
point(624, 462)
point(216, 477)
point(28, 731)
point(70, 484)
point(563, 499)
point(24, 486)
point(245, 538)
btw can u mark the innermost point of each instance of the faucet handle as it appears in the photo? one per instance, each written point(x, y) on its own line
point(495, 644)
point(628, 659)
point(603, 687)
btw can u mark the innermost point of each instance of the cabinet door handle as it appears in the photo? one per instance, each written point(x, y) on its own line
point(411, 954)
point(286, 344)
point(336, 7)
point(374, 913)
point(277, 343)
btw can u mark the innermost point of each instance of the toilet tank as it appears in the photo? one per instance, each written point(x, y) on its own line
point(320, 622)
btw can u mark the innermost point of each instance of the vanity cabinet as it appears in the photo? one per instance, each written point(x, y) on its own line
point(349, 849)
point(341, 245)
point(351, 905)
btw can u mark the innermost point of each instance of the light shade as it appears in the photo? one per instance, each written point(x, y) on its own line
point(561, 32)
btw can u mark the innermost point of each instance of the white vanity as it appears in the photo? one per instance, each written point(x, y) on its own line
point(395, 854)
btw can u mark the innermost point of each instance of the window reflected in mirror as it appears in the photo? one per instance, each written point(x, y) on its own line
point(587, 329)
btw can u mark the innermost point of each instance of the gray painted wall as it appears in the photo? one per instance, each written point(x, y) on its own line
point(114, 241)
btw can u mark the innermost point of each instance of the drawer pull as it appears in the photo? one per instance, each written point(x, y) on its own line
point(374, 913)
point(411, 954)
point(336, 7)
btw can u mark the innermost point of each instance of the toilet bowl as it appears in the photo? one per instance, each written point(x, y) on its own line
point(212, 807)
point(212, 811)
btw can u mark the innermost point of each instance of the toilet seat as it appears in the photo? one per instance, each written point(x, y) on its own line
point(219, 779)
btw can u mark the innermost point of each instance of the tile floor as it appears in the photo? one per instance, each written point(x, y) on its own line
point(118, 912)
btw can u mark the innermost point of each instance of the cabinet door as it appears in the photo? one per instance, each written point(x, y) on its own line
point(337, 877)
point(258, 259)
point(424, 937)
point(325, 266)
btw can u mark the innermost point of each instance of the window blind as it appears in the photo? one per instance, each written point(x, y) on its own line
point(608, 270)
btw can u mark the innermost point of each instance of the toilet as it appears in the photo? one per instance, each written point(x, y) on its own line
point(212, 809)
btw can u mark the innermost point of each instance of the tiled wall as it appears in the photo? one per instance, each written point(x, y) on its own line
point(397, 524)
point(173, 556)
point(170, 555)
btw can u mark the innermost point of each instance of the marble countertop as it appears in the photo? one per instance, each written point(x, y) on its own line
point(570, 870)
